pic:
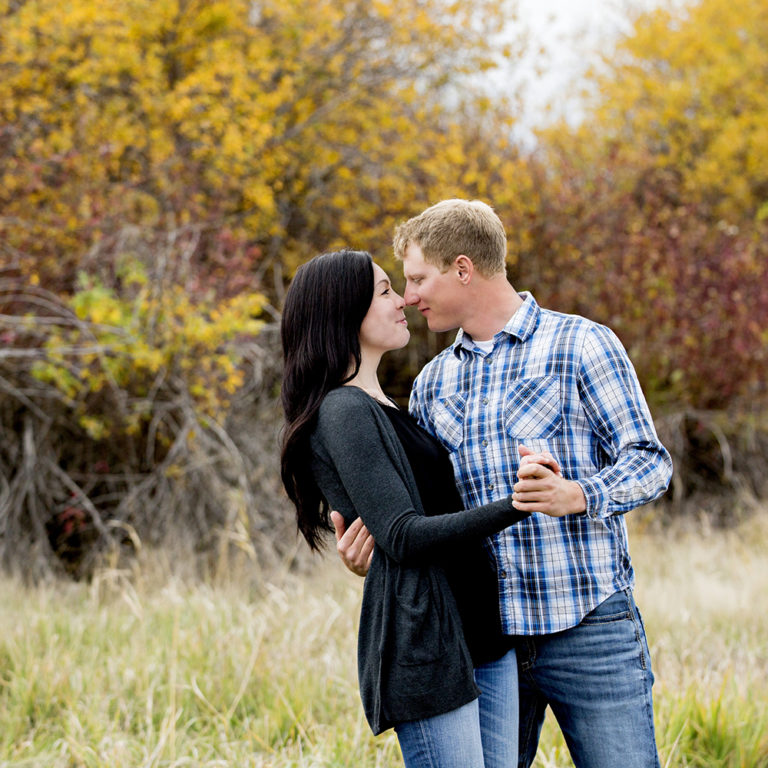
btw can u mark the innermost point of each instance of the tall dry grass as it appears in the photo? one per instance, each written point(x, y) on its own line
point(141, 668)
point(704, 595)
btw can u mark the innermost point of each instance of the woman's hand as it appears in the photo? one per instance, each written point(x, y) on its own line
point(545, 458)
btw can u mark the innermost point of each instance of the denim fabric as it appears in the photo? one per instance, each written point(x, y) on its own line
point(597, 679)
point(451, 740)
point(481, 734)
point(497, 681)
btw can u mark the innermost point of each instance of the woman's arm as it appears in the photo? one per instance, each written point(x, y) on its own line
point(363, 455)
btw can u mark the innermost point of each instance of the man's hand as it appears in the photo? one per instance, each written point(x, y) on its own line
point(540, 487)
point(354, 544)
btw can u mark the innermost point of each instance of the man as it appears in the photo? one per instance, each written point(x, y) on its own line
point(522, 380)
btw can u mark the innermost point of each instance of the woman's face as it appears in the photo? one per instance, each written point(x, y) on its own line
point(384, 327)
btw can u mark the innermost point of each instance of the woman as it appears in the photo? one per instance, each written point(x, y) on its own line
point(430, 638)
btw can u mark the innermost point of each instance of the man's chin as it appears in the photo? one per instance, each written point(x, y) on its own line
point(437, 327)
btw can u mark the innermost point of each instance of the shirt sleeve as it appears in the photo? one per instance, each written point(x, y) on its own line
point(415, 406)
point(640, 466)
point(364, 457)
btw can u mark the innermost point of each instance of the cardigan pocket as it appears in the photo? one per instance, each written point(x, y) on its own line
point(428, 641)
point(424, 664)
point(431, 664)
point(417, 637)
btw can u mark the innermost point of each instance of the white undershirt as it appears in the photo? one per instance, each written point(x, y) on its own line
point(485, 346)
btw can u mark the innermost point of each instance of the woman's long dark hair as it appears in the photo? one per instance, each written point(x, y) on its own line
point(324, 309)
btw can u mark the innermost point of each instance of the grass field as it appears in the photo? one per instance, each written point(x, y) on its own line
point(141, 669)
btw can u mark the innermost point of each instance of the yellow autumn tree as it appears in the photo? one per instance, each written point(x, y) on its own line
point(655, 210)
point(685, 93)
point(165, 163)
point(281, 122)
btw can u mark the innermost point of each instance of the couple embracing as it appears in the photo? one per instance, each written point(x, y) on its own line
point(488, 519)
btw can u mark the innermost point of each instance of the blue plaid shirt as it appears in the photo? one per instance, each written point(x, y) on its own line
point(560, 383)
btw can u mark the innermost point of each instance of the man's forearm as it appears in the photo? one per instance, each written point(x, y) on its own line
point(638, 477)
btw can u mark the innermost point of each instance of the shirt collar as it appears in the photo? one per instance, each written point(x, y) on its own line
point(521, 325)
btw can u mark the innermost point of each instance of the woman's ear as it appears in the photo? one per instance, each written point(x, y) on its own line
point(464, 268)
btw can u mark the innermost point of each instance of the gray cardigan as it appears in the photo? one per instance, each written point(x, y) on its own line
point(412, 659)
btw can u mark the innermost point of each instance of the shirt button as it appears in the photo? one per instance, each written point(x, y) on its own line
point(488, 359)
point(485, 401)
point(490, 486)
point(485, 442)
point(503, 574)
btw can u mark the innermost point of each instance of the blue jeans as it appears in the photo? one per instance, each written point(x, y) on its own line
point(481, 734)
point(597, 679)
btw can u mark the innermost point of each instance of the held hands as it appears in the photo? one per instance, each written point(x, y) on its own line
point(354, 544)
point(541, 487)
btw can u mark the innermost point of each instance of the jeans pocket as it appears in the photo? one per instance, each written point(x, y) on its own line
point(615, 608)
point(611, 613)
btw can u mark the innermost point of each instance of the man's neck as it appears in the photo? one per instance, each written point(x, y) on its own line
point(492, 304)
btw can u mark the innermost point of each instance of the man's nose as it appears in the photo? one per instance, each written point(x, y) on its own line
point(410, 296)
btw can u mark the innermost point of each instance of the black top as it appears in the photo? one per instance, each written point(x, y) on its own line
point(468, 565)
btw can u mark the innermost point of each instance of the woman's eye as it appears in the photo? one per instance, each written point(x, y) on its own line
point(385, 292)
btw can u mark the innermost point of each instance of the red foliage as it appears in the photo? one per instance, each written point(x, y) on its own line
point(688, 295)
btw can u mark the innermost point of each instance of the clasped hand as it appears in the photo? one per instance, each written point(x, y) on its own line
point(541, 487)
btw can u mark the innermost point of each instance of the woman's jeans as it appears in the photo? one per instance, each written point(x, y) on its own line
point(481, 734)
point(597, 679)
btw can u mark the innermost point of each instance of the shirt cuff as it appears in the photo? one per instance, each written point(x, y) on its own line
point(596, 495)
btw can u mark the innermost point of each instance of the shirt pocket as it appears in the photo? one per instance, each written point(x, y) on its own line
point(447, 420)
point(533, 408)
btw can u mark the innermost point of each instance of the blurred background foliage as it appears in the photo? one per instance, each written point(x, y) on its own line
point(166, 165)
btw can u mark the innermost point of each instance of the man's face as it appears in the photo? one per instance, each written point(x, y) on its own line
point(437, 295)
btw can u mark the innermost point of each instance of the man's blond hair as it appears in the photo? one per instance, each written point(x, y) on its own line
point(454, 227)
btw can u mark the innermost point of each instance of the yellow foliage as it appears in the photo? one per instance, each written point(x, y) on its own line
point(687, 87)
point(296, 122)
point(158, 340)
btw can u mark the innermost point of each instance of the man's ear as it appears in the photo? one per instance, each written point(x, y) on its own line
point(464, 268)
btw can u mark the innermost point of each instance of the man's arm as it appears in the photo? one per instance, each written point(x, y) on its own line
point(639, 467)
point(354, 544)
